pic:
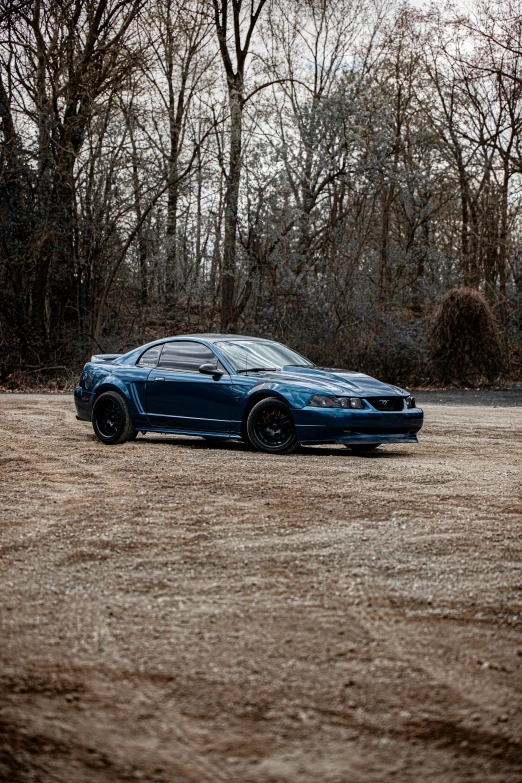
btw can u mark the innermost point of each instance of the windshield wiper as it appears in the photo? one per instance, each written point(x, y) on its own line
point(258, 369)
point(300, 365)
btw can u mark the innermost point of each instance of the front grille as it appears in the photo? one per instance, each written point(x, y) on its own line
point(386, 403)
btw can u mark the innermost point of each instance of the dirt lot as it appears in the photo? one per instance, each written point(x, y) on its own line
point(174, 611)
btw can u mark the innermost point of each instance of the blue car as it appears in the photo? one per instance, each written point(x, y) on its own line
point(222, 386)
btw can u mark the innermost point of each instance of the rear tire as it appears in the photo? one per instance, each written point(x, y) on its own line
point(363, 449)
point(111, 419)
point(270, 427)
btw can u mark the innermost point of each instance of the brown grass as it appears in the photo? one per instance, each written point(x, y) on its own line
point(465, 343)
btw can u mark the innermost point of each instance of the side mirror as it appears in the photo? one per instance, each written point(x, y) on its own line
point(210, 369)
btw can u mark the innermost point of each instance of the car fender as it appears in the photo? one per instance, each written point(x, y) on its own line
point(113, 383)
point(294, 396)
point(121, 379)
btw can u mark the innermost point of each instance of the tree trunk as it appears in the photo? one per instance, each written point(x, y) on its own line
point(142, 241)
point(464, 236)
point(228, 269)
point(385, 271)
point(199, 216)
point(502, 244)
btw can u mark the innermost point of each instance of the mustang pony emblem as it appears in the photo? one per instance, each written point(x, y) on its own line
point(384, 402)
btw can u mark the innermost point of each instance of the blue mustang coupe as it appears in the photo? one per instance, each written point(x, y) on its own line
point(250, 389)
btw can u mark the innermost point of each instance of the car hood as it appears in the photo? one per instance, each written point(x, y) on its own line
point(333, 381)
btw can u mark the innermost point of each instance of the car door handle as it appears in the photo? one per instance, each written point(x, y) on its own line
point(159, 379)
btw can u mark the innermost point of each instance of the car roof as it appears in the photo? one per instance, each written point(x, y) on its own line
point(130, 356)
point(214, 338)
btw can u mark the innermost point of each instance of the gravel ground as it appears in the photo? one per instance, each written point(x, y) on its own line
point(509, 396)
point(173, 611)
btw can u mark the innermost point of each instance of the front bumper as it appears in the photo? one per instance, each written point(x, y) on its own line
point(366, 426)
point(83, 402)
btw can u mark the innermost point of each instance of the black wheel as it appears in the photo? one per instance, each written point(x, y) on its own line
point(363, 448)
point(111, 420)
point(270, 427)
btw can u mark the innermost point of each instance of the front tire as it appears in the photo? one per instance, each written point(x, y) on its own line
point(111, 419)
point(270, 427)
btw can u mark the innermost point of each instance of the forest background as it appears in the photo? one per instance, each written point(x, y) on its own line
point(321, 172)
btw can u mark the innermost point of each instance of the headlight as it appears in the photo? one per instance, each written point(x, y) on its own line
point(410, 402)
point(323, 401)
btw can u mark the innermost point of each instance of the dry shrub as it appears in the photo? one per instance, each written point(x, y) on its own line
point(465, 343)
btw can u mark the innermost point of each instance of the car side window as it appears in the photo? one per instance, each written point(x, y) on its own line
point(150, 357)
point(187, 356)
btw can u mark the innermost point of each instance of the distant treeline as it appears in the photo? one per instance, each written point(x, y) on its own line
point(316, 171)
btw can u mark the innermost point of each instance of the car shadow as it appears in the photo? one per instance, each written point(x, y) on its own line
point(237, 446)
point(330, 451)
point(195, 443)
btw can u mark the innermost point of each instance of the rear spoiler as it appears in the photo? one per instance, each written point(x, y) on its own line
point(100, 358)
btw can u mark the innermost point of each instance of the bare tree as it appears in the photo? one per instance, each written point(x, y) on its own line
point(179, 36)
point(321, 171)
point(243, 18)
point(62, 60)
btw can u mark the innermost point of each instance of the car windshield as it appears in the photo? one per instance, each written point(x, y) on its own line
point(251, 354)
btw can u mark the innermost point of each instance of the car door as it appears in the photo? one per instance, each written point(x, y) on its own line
point(179, 397)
